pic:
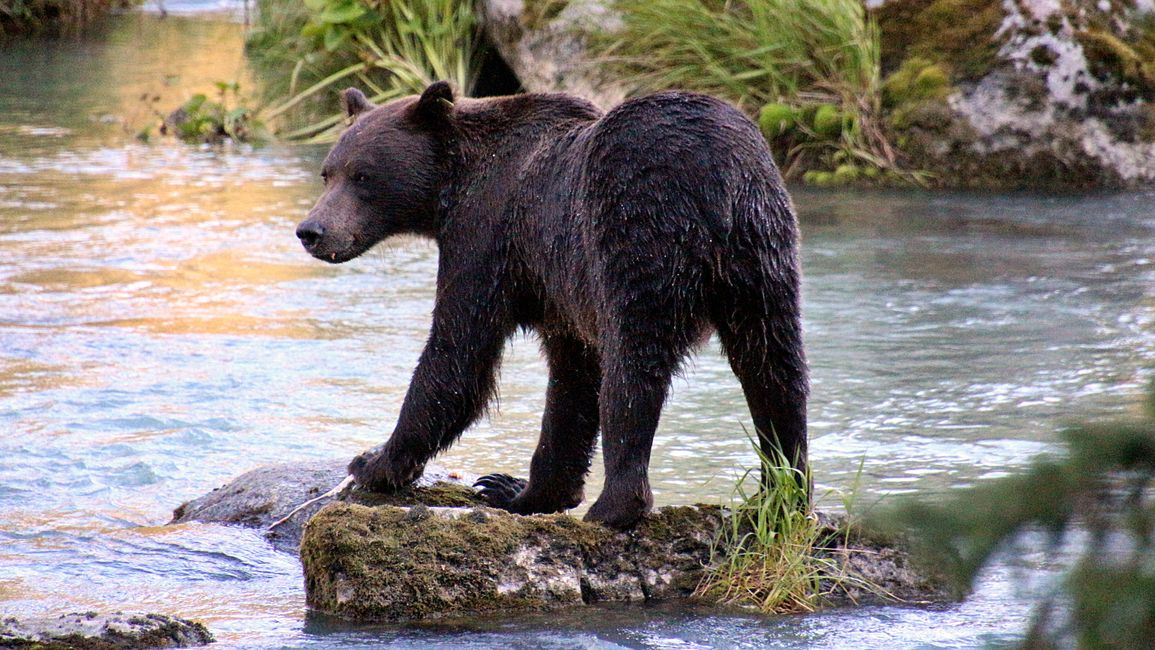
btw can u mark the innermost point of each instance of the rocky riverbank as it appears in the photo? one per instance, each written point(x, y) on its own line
point(1033, 94)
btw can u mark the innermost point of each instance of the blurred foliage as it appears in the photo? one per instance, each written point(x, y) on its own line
point(308, 51)
point(1098, 499)
point(57, 17)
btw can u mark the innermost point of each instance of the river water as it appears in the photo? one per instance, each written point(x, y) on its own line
point(161, 332)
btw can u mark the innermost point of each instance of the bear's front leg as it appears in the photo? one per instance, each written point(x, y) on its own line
point(451, 385)
point(385, 469)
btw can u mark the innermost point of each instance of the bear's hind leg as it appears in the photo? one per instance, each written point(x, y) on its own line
point(757, 320)
point(639, 358)
point(569, 430)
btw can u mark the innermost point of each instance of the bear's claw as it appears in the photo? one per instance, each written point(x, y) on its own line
point(499, 490)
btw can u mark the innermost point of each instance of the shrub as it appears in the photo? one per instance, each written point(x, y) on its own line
point(391, 48)
point(799, 54)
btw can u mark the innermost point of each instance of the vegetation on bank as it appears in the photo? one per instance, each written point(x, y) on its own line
point(773, 553)
point(307, 51)
point(1096, 504)
point(208, 120)
point(55, 17)
point(807, 69)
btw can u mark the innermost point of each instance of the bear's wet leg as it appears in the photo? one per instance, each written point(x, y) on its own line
point(634, 387)
point(568, 433)
point(449, 390)
point(763, 340)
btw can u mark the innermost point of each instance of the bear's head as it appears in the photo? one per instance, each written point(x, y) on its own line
point(384, 175)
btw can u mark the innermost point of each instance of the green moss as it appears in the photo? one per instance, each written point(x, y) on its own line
point(539, 13)
point(828, 122)
point(1110, 58)
point(846, 174)
point(916, 80)
point(391, 563)
point(451, 495)
point(818, 178)
point(777, 120)
point(959, 32)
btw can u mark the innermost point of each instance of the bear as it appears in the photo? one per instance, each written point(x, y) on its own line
point(622, 239)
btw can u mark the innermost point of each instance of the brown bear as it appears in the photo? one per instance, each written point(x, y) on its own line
point(622, 239)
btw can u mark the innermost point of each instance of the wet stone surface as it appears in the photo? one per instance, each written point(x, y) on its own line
point(93, 631)
point(433, 551)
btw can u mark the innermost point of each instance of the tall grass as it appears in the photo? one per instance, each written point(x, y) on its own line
point(798, 52)
point(61, 17)
point(769, 552)
point(391, 48)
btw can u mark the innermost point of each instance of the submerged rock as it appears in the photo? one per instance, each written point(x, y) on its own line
point(92, 631)
point(258, 498)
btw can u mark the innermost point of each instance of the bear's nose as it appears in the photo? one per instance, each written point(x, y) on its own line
point(310, 233)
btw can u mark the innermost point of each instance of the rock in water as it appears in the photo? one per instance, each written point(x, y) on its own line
point(265, 495)
point(93, 631)
point(392, 564)
point(396, 564)
point(433, 551)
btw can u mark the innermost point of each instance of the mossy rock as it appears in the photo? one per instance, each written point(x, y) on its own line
point(1111, 59)
point(404, 564)
point(395, 564)
point(963, 33)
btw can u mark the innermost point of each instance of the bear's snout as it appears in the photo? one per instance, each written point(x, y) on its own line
point(310, 233)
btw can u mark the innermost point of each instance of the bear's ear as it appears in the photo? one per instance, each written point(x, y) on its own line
point(436, 102)
point(355, 102)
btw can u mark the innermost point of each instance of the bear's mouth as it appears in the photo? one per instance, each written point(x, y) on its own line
point(333, 255)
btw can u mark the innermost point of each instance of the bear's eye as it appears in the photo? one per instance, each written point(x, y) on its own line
point(360, 178)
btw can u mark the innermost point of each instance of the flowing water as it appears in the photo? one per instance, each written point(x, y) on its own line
point(161, 332)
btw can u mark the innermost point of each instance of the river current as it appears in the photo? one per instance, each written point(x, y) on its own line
point(161, 331)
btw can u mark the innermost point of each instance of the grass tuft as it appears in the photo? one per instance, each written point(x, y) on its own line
point(769, 554)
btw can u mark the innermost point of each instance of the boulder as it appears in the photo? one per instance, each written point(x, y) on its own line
point(265, 495)
point(435, 551)
point(543, 42)
point(93, 631)
point(1044, 93)
point(419, 563)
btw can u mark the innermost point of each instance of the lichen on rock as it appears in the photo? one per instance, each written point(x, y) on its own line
point(1052, 94)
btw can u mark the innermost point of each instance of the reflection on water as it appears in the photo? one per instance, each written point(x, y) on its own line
point(161, 332)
